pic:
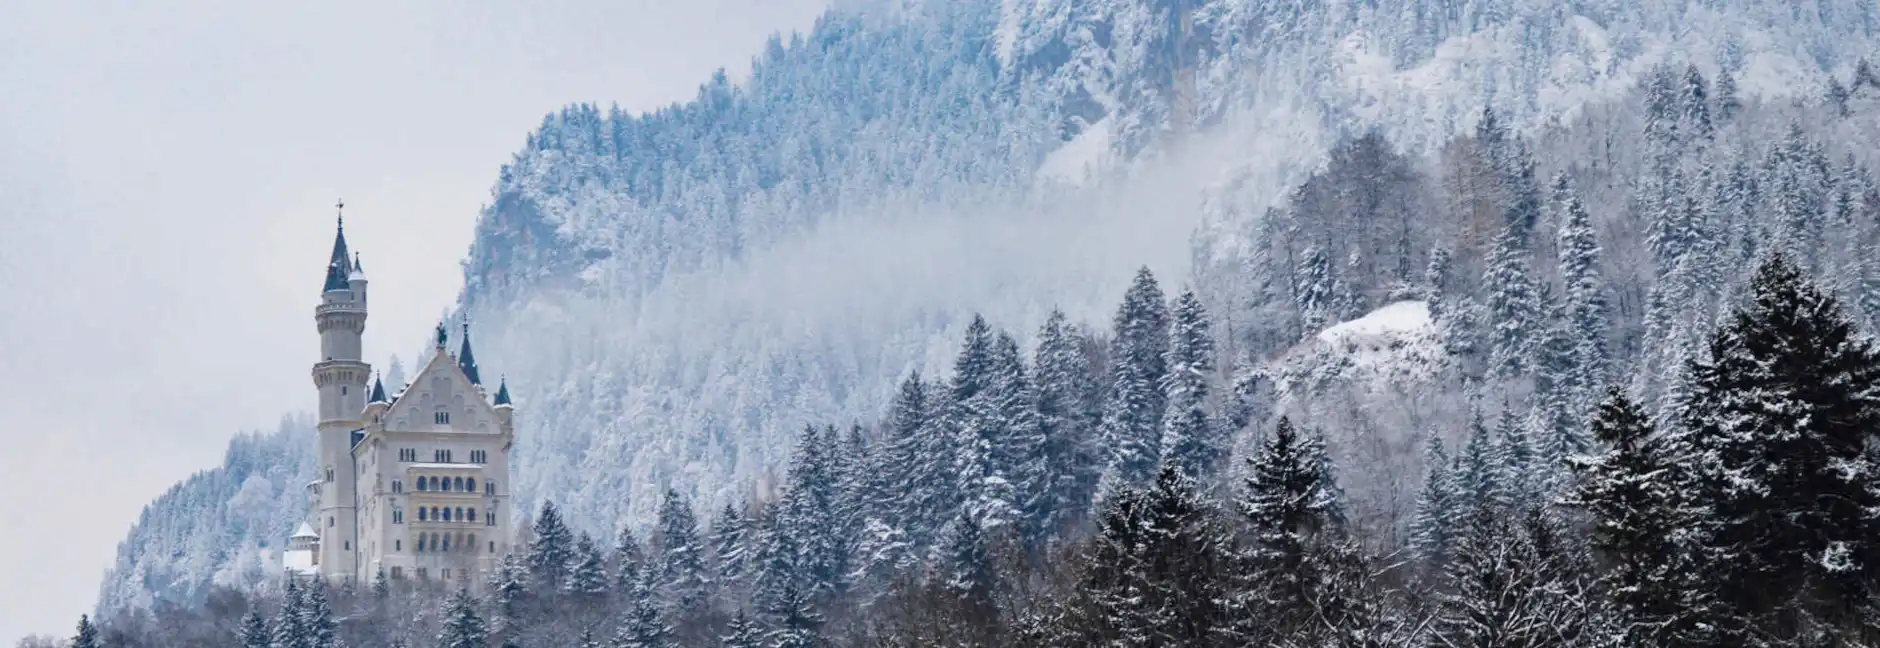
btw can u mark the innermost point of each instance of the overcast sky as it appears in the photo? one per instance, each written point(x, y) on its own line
point(167, 176)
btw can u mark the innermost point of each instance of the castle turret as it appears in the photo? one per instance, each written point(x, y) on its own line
point(340, 376)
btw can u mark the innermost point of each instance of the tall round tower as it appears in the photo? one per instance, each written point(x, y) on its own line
point(341, 377)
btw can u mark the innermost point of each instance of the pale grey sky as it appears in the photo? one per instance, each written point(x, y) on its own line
point(167, 175)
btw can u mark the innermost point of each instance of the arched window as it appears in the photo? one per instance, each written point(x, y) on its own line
point(434, 514)
point(423, 485)
point(473, 515)
point(490, 487)
point(446, 515)
point(421, 517)
point(446, 548)
point(470, 485)
point(459, 484)
point(420, 543)
point(460, 513)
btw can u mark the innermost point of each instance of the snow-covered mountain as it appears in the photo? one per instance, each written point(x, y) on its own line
point(673, 295)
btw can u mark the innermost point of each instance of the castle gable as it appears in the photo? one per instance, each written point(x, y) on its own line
point(442, 398)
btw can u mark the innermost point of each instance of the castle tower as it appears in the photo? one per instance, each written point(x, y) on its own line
point(341, 378)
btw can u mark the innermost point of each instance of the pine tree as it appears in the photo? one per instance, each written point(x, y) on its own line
point(794, 621)
point(587, 575)
point(1728, 104)
point(508, 585)
point(1157, 572)
point(254, 630)
point(1629, 492)
point(87, 635)
point(728, 544)
point(1585, 297)
point(1065, 387)
point(316, 617)
point(682, 575)
point(740, 632)
point(1783, 413)
point(552, 549)
point(1479, 479)
point(964, 567)
point(381, 586)
point(630, 562)
point(462, 627)
point(1513, 309)
point(1291, 506)
point(1132, 418)
point(643, 626)
point(1499, 591)
point(919, 488)
point(1314, 290)
point(1431, 528)
point(1191, 440)
point(289, 630)
point(1513, 463)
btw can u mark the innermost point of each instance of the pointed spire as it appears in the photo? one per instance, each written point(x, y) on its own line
point(502, 392)
point(378, 390)
point(357, 267)
point(465, 359)
point(339, 266)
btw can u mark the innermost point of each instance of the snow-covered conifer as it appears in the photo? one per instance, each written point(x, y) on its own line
point(1132, 418)
point(462, 627)
point(1191, 439)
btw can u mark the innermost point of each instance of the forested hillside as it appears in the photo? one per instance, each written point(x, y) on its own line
point(1575, 194)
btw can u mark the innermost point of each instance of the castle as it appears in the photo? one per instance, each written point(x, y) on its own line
point(413, 485)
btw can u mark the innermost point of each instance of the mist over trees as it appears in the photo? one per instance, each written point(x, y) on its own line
point(1029, 475)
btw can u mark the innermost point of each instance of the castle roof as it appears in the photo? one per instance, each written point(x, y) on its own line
point(339, 267)
point(378, 392)
point(468, 360)
point(305, 531)
point(502, 392)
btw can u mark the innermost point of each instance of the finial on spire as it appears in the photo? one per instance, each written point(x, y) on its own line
point(339, 207)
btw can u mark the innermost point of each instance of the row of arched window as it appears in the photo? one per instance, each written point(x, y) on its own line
point(442, 542)
point(444, 514)
point(450, 484)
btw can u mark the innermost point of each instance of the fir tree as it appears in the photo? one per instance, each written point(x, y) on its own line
point(316, 617)
point(462, 627)
point(728, 544)
point(1479, 477)
point(1585, 296)
point(1513, 309)
point(1778, 433)
point(551, 550)
point(1430, 529)
point(381, 586)
point(794, 621)
point(1728, 104)
point(289, 624)
point(682, 565)
point(630, 563)
point(254, 630)
point(587, 575)
point(1290, 504)
point(1157, 570)
point(1629, 492)
point(965, 570)
point(740, 632)
point(1132, 418)
point(1499, 591)
point(1065, 387)
point(643, 626)
point(1513, 463)
point(1190, 437)
point(87, 635)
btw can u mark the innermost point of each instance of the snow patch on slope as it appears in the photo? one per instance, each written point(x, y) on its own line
point(1395, 345)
